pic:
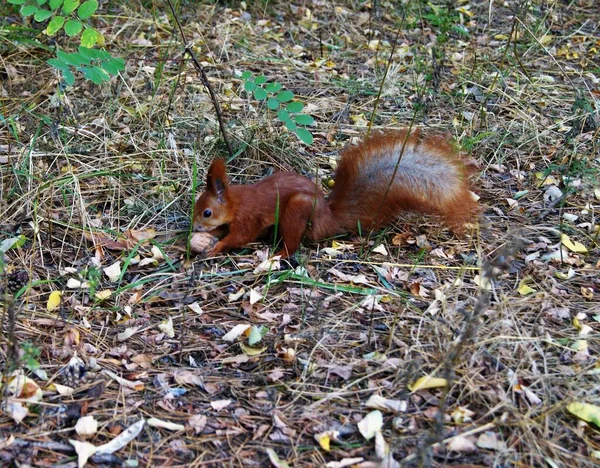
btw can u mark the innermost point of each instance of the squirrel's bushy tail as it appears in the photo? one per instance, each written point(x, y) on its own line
point(430, 178)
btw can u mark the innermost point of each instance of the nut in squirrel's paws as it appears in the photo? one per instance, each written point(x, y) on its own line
point(202, 242)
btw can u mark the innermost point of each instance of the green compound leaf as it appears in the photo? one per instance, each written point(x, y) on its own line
point(73, 59)
point(273, 87)
point(68, 77)
point(54, 4)
point(118, 63)
point(249, 86)
point(28, 10)
point(284, 115)
point(89, 37)
point(54, 25)
point(109, 68)
point(246, 75)
point(272, 103)
point(69, 6)
point(285, 96)
point(291, 126)
point(95, 74)
point(305, 136)
point(114, 66)
point(16, 2)
point(89, 54)
point(259, 80)
point(42, 15)
point(40, 2)
point(260, 94)
point(73, 27)
point(304, 119)
point(87, 9)
point(95, 54)
point(57, 63)
point(295, 106)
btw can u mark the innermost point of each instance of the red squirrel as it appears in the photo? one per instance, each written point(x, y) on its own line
point(430, 178)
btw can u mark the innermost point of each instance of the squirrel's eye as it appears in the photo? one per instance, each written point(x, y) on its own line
point(207, 213)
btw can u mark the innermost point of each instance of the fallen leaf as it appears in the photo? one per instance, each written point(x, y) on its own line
point(113, 272)
point(16, 410)
point(324, 439)
point(123, 438)
point(371, 424)
point(524, 289)
point(380, 249)
point(275, 461)
point(219, 405)
point(84, 451)
point(427, 382)
point(255, 296)
point(195, 307)
point(103, 295)
point(344, 462)
point(133, 385)
point(576, 247)
point(127, 333)
point(198, 422)
point(236, 332)
point(54, 301)
point(382, 449)
point(462, 444)
point(86, 426)
point(385, 404)
point(157, 253)
point(166, 326)
point(170, 426)
point(489, 440)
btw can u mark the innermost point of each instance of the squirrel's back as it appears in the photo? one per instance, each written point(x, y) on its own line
point(430, 178)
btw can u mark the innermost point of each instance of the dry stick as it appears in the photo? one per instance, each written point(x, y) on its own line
point(204, 79)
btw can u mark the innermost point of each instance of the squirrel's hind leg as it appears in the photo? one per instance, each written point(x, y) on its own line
point(294, 222)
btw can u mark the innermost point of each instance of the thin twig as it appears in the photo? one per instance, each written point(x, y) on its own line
point(204, 79)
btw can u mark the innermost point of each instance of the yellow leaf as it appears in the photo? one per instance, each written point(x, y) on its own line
point(546, 179)
point(546, 39)
point(103, 295)
point(586, 292)
point(524, 290)
point(427, 382)
point(359, 120)
point(585, 411)
point(323, 440)
point(250, 351)
point(576, 247)
point(568, 275)
point(54, 301)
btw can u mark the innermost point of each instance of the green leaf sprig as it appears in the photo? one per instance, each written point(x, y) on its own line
point(289, 111)
point(96, 65)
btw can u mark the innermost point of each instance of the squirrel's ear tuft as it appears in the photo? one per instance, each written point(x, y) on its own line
point(216, 180)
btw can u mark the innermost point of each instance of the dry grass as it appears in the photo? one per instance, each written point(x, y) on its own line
point(92, 162)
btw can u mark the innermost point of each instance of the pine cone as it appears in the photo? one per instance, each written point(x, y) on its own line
point(17, 279)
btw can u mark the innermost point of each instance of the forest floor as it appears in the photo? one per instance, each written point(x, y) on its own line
point(408, 347)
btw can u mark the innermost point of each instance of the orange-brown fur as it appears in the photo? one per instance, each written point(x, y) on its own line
point(429, 178)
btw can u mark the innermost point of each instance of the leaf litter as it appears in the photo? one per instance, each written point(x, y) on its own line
point(362, 356)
